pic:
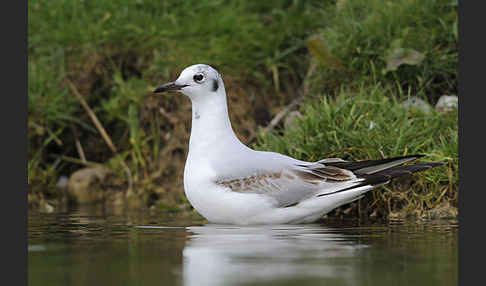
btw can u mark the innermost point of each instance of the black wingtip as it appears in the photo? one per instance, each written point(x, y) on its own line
point(385, 176)
point(357, 165)
point(398, 171)
point(436, 164)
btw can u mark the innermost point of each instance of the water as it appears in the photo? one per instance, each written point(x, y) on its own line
point(99, 247)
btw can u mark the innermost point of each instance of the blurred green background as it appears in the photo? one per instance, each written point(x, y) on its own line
point(346, 66)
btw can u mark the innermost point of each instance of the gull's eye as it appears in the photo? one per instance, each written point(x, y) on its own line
point(198, 77)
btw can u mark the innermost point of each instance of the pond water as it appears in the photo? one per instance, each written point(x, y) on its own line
point(93, 246)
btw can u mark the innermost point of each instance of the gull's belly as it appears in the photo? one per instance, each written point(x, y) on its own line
point(220, 205)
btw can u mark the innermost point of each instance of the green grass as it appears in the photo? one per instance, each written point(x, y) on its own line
point(116, 51)
point(165, 37)
point(370, 55)
point(370, 124)
point(412, 43)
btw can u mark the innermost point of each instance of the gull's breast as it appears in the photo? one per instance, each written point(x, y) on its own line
point(218, 203)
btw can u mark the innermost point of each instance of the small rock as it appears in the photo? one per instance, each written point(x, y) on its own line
point(62, 183)
point(446, 103)
point(84, 186)
point(414, 102)
point(45, 207)
point(442, 211)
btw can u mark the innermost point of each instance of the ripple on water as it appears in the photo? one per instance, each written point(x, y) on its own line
point(163, 249)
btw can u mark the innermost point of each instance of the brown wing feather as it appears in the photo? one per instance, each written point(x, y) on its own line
point(253, 184)
point(287, 187)
point(319, 173)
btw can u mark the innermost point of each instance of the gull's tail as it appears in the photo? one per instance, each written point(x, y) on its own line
point(379, 172)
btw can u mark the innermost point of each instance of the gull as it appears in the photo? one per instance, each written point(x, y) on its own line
point(229, 183)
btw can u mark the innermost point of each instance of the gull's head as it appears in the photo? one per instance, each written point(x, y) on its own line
point(196, 81)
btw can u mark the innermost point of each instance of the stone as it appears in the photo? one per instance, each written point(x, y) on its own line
point(45, 207)
point(62, 183)
point(446, 103)
point(442, 211)
point(414, 102)
point(84, 185)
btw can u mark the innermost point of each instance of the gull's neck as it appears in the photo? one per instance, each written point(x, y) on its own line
point(211, 127)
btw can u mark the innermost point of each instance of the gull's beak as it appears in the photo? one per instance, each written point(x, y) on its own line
point(171, 86)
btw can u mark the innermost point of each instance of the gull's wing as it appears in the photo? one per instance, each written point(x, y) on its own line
point(289, 186)
point(285, 179)
point(299, 180)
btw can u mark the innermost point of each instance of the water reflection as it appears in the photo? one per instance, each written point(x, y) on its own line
point(98, 247)
point(222, 255)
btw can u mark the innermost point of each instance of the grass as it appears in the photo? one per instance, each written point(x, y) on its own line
point(115, 52)
point(368, 55)
point(412, 43)
point(371, 124)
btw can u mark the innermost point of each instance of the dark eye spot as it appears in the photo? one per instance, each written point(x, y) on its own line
point(215, 85)
point(198, 77)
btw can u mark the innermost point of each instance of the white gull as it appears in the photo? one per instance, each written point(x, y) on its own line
point(227, 182)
